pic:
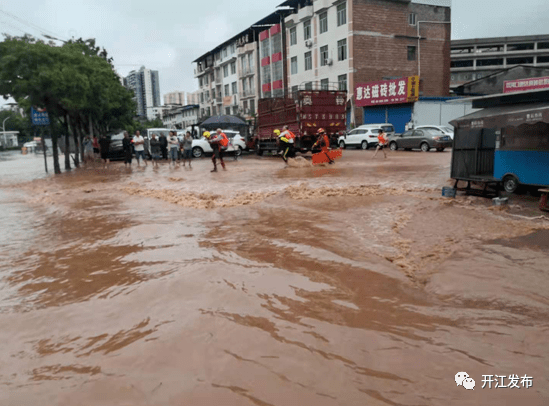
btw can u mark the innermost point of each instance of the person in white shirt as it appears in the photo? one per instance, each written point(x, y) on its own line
point(139, 147)
point(174, 145)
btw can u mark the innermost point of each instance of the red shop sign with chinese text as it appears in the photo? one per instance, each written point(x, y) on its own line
point(521, 85)
point(394, 91)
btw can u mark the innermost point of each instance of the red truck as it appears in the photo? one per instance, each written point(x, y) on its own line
point(304, 114)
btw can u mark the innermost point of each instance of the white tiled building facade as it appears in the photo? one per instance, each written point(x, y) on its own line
point(318, 46)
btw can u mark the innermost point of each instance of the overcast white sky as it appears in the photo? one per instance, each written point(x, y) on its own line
point(167, 35)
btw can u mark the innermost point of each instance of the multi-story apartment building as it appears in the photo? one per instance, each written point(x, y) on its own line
point(181, 117)
point(145, 84)
point(228, 75)
point(175, 98)
point(476, 58)
point(363, 44)
point(344, 44)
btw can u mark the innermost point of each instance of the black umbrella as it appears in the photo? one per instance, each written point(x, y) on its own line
point(223, 121)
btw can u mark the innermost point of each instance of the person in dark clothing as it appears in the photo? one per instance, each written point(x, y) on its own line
point(155, 147)
point(127, 149)
point(163, 142)
point(104, 149)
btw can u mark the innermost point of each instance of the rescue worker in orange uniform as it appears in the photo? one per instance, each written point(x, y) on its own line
point(219, 142)
point(323, 142)
point(286, 143)
point(383, 140)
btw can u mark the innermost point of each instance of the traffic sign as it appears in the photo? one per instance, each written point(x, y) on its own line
point(39, 116)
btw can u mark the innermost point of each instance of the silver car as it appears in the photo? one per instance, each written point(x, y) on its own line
point(423, 139)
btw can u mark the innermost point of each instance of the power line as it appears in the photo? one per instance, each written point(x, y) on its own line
point(14, 27)
point(29, 24)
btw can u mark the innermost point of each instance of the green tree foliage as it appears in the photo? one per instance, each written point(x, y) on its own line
point(75, 82)
point(16, 122)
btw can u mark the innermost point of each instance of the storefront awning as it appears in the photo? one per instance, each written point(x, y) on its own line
point(505, 116)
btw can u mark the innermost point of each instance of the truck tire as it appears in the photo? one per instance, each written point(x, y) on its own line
point(259, 151)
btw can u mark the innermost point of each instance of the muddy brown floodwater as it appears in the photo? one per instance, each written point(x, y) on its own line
point(349, 284)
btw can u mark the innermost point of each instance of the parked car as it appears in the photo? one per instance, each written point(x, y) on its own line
point(115, 147)
point(423, 139)
point(201, 146)
point(365, 136)
point(445, 129)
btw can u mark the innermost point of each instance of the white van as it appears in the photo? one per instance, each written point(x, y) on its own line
point(365, 136)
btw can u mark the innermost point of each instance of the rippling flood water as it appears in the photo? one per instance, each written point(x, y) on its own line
point(354, 284)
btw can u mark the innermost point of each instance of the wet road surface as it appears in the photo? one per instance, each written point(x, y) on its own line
point(351, 284)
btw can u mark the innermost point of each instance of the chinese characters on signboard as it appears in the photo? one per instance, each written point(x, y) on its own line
point(394, 91)
point(521, 85)
point(39, 116)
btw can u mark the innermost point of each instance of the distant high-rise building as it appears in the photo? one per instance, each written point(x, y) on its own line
point(194, 97)
point(145, 84)
point(175, 98)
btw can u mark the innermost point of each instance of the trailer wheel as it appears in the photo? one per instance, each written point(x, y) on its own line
point(510, 183)
point(342, 145)
point(259, 151)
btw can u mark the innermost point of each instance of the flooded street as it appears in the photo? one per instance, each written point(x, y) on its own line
point(349, 284)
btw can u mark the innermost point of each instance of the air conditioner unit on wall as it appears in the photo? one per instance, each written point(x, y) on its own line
point(329, 61)
point(308, 43)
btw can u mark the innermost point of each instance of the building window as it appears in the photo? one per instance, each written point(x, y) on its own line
point(293, 35)
point(225, 52)
point(412, 53)
point(251, 61)
point(520, 47)
point(245, 105)
point(200, 82)
point(294, 65)
point(228, 111)
point(543, 59)
point(341, 46)
point(412, 20)
point(324, 54)
point(465, 63)
point(213, 93)
point(341, 14)
point(489, 62)
point(308, 60)
point(323, 22)
point(234, 88)
point(543, 45)
point(324, 84)
point(235, 110)
point(243, 63)
point(226, 90)
point(343, 85)
point(521, 60)
point(202, 98)
point(206, 80)
point(307, 29)
point(294, 91)
point(308, 86)
point(233, 68)
point(225, 71)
